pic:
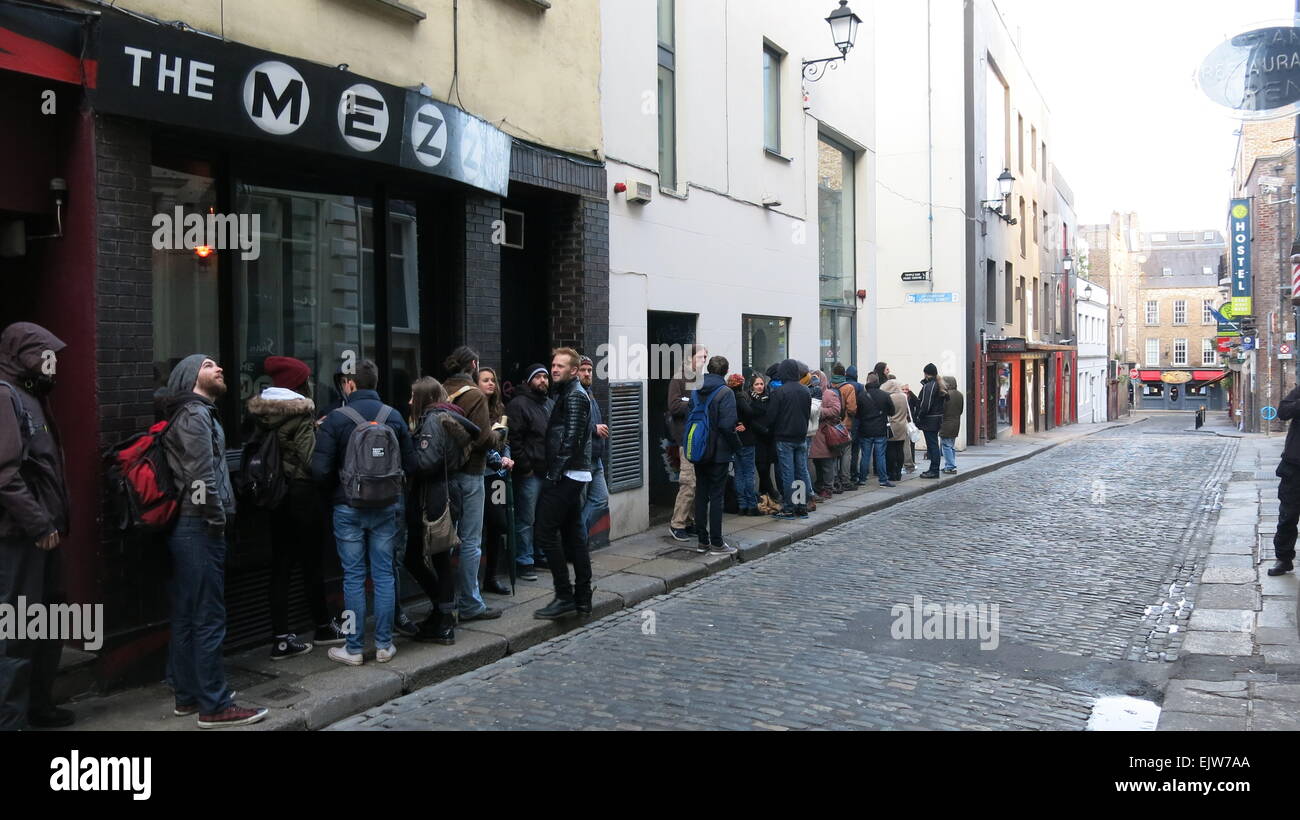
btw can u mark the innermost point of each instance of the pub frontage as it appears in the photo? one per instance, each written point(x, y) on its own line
point(241, 203)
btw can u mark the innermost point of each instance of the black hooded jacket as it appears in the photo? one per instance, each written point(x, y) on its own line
point(790, 406)
point(529, 413)
point(33, 493)
point(568, 433)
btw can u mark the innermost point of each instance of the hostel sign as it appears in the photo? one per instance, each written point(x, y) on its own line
point(1239, 224)
point(158, 73)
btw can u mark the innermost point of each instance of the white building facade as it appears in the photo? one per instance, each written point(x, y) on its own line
point(957, 110)
point(1094, 335)
point(748, 224)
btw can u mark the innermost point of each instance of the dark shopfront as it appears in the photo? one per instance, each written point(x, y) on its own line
point(1179, 389)
point(363, 250)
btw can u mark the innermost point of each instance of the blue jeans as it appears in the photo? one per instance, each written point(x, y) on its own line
point(793, 458)
point(746, 479)
point(597, 496)
point(873, 452)
point(949, 447)
point(469, 495)
point(198, 598)
point(527, 489)
point(360, 534)
point(932, 449)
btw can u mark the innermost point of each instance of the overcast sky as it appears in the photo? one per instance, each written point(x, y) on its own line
point(1132, 130)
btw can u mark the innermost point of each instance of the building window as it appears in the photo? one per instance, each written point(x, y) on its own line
point(1166, 271)
point(1207, 318)
point(991, 291)
point(1153, 353)
point(772, 99)
point(838, 327)
point(1153, 312)
point(1209, 355)
point(1011, 294)
point(1180, 311)
point(1023, 247)
point(1206, 270)
point(999, 128)
point(1020, 144)
point(1036, 223)
point(1044, 160)
point(1180, 352)
point(1033, 141)
point(667, 95)
point(766, 340)
point(1208, 236)
point(835, 215)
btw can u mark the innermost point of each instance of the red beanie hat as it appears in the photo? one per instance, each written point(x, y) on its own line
point(287, 372)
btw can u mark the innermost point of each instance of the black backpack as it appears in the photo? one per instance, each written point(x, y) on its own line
point(262, 482)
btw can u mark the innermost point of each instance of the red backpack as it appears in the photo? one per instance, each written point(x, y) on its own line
point(142, 494)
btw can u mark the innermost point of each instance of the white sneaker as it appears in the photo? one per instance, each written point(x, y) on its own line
point(386, 655)
point(342, 655)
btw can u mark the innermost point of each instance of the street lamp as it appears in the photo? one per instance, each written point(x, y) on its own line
point(844, 32)
point(1120, 321)
point(1068, 264)
point(1087, 294)
point(999, 206)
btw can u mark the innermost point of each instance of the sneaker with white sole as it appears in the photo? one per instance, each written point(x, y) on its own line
point(288, 646)
point(386, 655)
point(723, 549)
point(342, 655)
point(232, 716)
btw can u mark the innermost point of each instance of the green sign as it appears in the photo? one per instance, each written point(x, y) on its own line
point(1228, 330)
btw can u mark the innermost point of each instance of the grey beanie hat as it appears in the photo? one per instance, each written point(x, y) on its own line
point(186, 374)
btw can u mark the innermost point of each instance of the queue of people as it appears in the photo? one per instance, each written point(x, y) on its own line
point(789, 437)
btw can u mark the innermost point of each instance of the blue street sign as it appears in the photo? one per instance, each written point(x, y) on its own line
point(1269, 413)
point(926, 298)
point(1247, 342)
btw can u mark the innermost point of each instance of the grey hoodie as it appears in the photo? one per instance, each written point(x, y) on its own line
point(33, 493)
point(196, 448)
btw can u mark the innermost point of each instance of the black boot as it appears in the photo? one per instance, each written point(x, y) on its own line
point(1282, 567)
point(560, 606)
point(439, 627)
point(582, 600)
point(497, 586)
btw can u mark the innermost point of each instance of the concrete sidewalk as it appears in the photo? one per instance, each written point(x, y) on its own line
point(310, 692)
point(1240, 668)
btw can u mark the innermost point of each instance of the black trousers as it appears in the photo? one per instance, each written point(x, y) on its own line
point(495, 546)
point(1288, 494)
point(439, 586)
point(710, 486)
point(297, 527)
point(27, 667)
point(764, 459)
point(932, 449)
point(559, 533)
point(894, 459)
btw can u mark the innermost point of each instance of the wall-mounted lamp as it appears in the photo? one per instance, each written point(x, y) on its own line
point(844, 31)
point(999, 206)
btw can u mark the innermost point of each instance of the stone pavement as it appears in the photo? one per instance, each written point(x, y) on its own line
point(1240, 668)
point(311, 692)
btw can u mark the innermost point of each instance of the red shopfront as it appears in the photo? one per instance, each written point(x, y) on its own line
point(1030, 387)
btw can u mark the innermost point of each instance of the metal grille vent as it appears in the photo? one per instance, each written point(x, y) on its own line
point(626, 436)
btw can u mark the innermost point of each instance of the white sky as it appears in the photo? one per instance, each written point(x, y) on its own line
point(1132, 130)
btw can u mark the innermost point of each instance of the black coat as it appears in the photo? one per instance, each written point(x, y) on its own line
point(568, 432)
point(529, 413)
point(928, 406)
point(752, 412)
point(874, 409)
point(791, 405)
point(721, 403)
point(1289, 410)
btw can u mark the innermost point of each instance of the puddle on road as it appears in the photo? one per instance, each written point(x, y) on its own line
point(1123, 714)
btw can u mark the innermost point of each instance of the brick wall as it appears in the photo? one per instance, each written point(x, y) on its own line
point(482, 282)
point(132, 587)
point(1193, 330)
point(1273, 232)
point(579, 277)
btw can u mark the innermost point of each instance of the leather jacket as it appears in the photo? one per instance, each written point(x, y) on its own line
point(568, 432)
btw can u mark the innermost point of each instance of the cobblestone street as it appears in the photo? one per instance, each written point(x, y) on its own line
point(1086, 551)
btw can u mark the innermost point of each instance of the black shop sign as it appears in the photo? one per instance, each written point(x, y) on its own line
point(183, 78)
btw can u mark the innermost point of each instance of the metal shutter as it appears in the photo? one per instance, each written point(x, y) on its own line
point(626, 436)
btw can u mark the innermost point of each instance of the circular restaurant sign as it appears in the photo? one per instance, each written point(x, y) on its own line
point(1176, 377)
point(1256, 74)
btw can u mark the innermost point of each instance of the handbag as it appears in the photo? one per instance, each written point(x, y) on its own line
point(913, 432)
point(836, 436)
point(440, 536)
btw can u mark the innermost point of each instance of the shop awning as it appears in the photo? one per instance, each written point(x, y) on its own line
point(44, 43)
point(1209, 376)
point(1146, 375)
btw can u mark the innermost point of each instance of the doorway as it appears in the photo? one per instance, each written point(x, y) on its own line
point(668, 329)
point(525, 291)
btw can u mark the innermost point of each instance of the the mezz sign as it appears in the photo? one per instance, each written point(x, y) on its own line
point(165, 75)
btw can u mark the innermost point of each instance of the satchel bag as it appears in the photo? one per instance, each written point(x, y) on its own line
point(913, 432)
point(440, 535)
point(836, 436)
